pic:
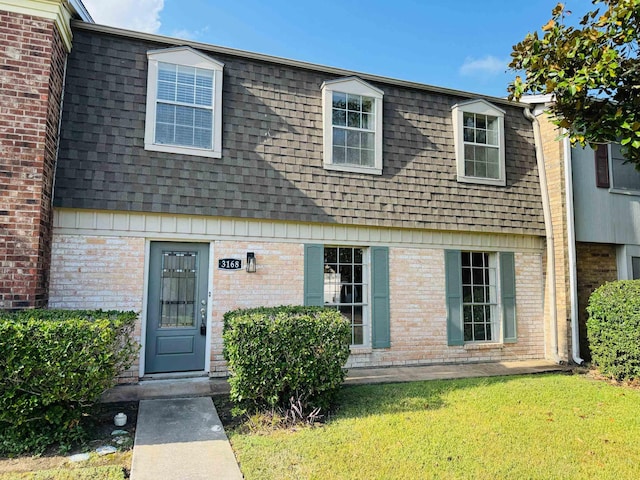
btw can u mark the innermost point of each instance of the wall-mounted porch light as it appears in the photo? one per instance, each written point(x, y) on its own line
point(251, 262)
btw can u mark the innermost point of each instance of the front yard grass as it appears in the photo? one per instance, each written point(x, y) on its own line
point(538, 427)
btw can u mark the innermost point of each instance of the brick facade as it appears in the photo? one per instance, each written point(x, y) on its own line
point(108, 272)
point(32, 59)
point(596, 265)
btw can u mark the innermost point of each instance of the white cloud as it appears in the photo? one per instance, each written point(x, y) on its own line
point(185, 34)
point(139, 15)
point(485, 67)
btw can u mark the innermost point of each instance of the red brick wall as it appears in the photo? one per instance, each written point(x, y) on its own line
point(32, 59)
point(595, 265)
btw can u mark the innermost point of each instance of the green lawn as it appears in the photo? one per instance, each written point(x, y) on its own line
point(539, 427)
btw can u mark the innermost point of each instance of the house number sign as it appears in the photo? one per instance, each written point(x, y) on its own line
point(229, 264)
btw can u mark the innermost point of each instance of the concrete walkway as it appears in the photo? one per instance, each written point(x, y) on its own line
point(182, 438)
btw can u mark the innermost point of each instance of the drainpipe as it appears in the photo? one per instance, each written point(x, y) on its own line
point(571, 240)
point(546, 211)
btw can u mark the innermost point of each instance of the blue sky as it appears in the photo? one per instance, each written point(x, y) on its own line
point(463, 44)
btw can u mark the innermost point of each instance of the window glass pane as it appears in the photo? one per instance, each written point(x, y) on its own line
point(466, 294)
point(186, 75)
point(166, 71)
point(481, 136)
point(353, 102)
point(203, 118)
point(339, 154)
point(353, 156)
point(204, 96)
point(493, 171)
point(367, 157)
point(184, 135)
point(358, 336)
point(185, 93)
point(481, 170)
point(353, 120)
point(330, 256)
point(339, 100)
point(625, 176)
point(469, 152)
point(339, 118)
point(469, 135)
point(478, 294)
point(478, 332)
point(353, 139)
point(468, 120)
point(367, 104)
point(204, 78)
point(345, 255)
point(184, 116)
point(167, 91)
point(492, 137)
point(357, 255)
point(164, 133)
point(202, 138)
point(367, 121)
point(339, 137)
point(165, 113)
point(368, 140)
point(481, 121)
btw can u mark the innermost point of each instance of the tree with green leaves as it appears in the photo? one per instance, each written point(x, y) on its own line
point(591, 69)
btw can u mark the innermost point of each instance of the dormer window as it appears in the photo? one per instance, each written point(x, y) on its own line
point(352, 115)
point(184, 103)
point(479, 140)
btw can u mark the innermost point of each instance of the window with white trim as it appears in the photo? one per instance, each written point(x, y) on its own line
point(352, 117)
point(479, 297)
point(479, 142)
point(184, 103)
point(346, 287)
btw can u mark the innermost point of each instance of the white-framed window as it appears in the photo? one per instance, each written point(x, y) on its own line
point(184, 103)
point(346, 286)
point(624, 176)
point(479, 297)
point(478, 128)
point(352, 121)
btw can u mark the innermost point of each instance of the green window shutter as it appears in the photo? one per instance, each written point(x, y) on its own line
point(453, 273)
point(381, 331)
point(508, 294)
point(314, 275)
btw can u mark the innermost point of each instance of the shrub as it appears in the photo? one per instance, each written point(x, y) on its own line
point(613, 329)
point(276, 354)
point(54, 364)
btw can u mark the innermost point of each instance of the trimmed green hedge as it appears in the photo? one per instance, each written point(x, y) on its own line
point(54, 364)
point(613, 329)
point(277, 353)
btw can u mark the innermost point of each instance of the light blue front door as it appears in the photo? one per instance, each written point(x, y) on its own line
point(176, 307)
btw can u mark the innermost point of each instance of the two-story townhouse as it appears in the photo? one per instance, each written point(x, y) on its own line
point(193, 179)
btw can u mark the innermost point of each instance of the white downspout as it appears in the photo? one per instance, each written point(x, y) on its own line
point(546, 211)
point(571, 240)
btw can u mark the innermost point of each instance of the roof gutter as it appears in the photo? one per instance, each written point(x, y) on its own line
point(546, 211)
point(571, 240)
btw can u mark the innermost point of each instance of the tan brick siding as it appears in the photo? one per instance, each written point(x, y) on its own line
point(108, 272)
point(99, 272)
point(277, 281)
point(418, 314)
point(32, 58)
point(554, 164)
point(595, 265)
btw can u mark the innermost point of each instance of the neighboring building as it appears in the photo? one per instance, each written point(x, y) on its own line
point(416, 211)
point(596, 201)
